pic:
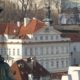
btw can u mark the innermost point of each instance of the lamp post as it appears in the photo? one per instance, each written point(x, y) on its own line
point(48, 12)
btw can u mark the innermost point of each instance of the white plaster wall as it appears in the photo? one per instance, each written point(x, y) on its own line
point(45, 56)
point(73, 73)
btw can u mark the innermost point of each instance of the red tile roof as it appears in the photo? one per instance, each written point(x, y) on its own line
point(75, 37)
point(2, 28)
point(12, 29)
point(33, 26)
point(57, 75)
point(22, 68)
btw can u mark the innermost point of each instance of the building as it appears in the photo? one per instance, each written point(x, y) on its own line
point(50, 49)
point(49, 46)
point(74, 47)
point(72, 72)
point(29, 69)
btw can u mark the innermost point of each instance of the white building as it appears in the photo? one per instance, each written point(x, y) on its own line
point(49, 48)
point(73, 73)
point(55, 52)
point(74, 47)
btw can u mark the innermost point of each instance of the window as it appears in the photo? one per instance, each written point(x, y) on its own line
point(47, 63)
point(52, 49)
point(56, 37)
point(1, 50)
point(5, 50)
point(41, 50)
point(74, 60)
point(9, 51)
point(74, 48)
point(57, 50)
point(13, 51)
point(57, 64)
point(36, 38)
point(31, 52)
point(46, 37)
point(62, 49)
point(51, 37)
point(62, 62)
point(66, 63)
point(26, 51)
point(18, 52)
point(41, 37)
point(47, 49)
point(52, 62)
point(36, 51)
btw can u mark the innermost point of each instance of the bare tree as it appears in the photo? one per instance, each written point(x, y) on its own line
point(26, 5)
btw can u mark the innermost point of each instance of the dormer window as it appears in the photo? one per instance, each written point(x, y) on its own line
point(47, 30)
point(41, 37)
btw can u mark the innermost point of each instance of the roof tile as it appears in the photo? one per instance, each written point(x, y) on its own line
point(33, 26)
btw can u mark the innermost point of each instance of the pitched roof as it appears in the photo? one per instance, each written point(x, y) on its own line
point(33, 26)
point(2, 28)
point(57, 75)
point(22, 68)
point(12, 29)
point(39, 70)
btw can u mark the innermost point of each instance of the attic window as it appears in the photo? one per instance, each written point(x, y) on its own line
point(47, 30)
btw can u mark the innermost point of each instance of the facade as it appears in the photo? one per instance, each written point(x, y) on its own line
point(50, 49)
point(48, 46)
point(75, 51)
point(74, 47)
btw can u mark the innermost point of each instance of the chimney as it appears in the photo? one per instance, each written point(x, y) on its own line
point(18, 23)
point(26, 21)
